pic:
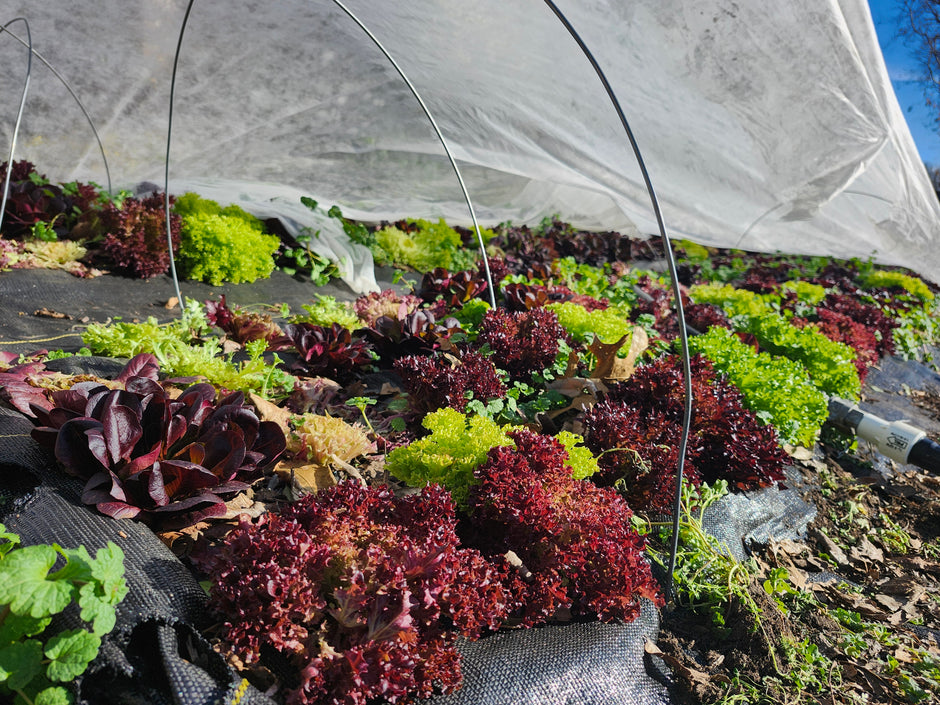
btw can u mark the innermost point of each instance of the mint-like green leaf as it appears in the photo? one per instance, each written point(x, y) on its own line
point(16, 626)
point(10, 541)
point(108, 568)
point(20, 663)
point(96, 608)
point(70, 653)
point(55, 695)
point(24, 584)
point(78, 567)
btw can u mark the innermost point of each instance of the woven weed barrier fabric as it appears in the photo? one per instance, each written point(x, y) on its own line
point(590, 663)
point(42, 308)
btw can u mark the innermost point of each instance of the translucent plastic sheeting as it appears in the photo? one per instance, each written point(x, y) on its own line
point(764, 126)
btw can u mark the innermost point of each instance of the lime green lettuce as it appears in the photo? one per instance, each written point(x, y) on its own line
point(609, 325)
point(829, 363)
point(326, 310)
point(430, 246)
point(457, 445)
point(776, 389)
point(182, 353)
point(913, 285)
point(220, 245)
point(806, 292)
point(736, 302)
point(582, 462)
point(582, 278)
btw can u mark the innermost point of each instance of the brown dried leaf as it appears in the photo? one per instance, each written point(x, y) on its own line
point(304, 477)
point(268, 411)
point(866, 551)
point(609, 366)
point(831, 547)
point(888, 602)
point(47, 313)
point(691, 675)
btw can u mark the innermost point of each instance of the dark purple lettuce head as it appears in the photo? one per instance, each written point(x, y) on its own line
point(327, 351)
point(417, 333)
point(145, 454)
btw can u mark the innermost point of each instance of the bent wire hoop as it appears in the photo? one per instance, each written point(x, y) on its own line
point(670, 257)
point(414, 92)
point(28, 43)
point(673, 275)
point(19, 113)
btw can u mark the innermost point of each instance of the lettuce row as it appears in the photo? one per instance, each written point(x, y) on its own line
point(829, 363)
point(776, 389)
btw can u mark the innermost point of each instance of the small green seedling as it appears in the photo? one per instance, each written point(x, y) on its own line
point(35, 665)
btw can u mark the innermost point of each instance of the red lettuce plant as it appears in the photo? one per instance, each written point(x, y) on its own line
point(135, 240)
point(433, 382)
point(148, 455)
point(637, 427)
point(362, 593)
point(33, 199)
point(522, 297)
point(242, 326)
point(524, 342)
point(329, 352)
point(455, 289)
point(869, 315)
point(417, 333)
point(575, 538)
point(842, 329)
point(369, 307)
point(521, 248)
point(598, 248)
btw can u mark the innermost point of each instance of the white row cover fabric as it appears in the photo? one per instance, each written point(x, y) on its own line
point(766, 126)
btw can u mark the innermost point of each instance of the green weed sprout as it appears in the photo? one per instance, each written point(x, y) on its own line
point(35, 664)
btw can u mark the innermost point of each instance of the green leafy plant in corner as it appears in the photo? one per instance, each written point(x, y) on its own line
point(36, 665)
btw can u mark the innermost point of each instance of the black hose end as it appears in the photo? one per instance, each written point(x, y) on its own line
point(925, 454)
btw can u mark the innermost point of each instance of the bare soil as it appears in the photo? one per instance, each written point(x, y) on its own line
point(863, 625)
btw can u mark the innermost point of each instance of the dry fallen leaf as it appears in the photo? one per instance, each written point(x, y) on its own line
point(172, 302)
point(609, 366)
point(692, 675)
point(865, 550)
point(47, 313)
point(304, 477)
point(268, 411)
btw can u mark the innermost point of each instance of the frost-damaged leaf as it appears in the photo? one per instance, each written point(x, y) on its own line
point(305, 476)
point(21, 394)
point(271, 412)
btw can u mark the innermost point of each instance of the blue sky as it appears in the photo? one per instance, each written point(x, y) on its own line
point(905, 77)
